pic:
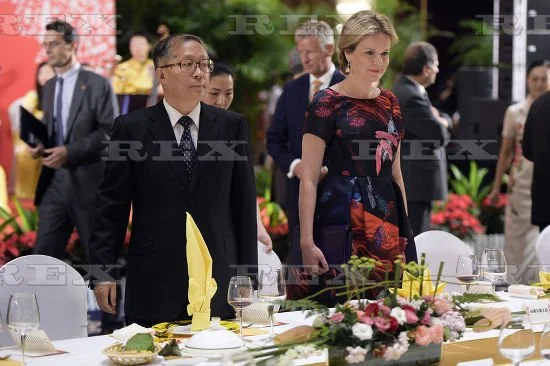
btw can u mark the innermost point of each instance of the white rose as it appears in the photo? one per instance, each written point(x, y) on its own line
point(399, 315)
point(362, 331)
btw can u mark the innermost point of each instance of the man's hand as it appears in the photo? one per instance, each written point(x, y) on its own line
point(105, 295)
point(36, 152)
point(439, 118)
point(56, 158)
point(299, 171)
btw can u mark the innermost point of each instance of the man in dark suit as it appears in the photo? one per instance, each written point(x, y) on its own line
point(164, 161)
point(536, 135)
point(423, 158)
point(79, 108)
point(315, 44)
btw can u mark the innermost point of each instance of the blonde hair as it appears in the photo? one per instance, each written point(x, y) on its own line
point(359, 25)
point(315, 28)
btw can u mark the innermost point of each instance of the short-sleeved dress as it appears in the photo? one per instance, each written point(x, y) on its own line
point(362, 137)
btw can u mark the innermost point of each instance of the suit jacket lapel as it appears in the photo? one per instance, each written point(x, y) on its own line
point(161, 128)
point(208, 131)
point(78, 96)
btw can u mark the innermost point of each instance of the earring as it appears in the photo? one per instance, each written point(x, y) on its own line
point(348, 68)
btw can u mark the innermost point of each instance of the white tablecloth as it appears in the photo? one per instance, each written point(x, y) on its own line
point(88, 351)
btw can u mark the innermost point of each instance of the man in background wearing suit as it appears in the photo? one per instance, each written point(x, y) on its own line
point(79, 109)
point(536, 135)
point(423, 159)
point(315, 44)
point(170, 169)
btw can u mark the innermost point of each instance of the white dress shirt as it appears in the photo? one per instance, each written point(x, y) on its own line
point(175, 116)
point(418, 85)
point(69, 81)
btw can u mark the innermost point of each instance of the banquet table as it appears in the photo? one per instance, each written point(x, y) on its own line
point(472, 346)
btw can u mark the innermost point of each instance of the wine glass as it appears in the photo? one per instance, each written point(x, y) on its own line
point(514, 344)
point(494, 264)
point(240, 295)
point(467, 270)
point(272, 289)
point(545, 342)
point(23, 315)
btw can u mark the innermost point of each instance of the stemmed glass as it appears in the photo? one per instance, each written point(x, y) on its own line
point(545, 342)
point(272, 289)
point(516, 345)
point(494, 264)
point(467, 270)
point(240, 295)
point(23, 315)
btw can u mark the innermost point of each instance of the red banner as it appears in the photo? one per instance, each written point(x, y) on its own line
point(22, 25)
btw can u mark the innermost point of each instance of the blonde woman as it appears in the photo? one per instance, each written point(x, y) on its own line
point(362, 190)
point(520, 234)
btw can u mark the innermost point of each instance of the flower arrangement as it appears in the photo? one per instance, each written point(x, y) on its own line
point(458, 216)
point(492, 214)
point(17, 232)
point(385, 329)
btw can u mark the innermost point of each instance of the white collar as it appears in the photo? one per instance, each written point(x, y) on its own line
point(73, 70)
point(326, 77)
point(175, 115)
point(418, 85)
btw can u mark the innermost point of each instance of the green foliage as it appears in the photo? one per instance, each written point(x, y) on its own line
point(257, 56)
point(28, 218)
point(470, 185)
point(475, 47)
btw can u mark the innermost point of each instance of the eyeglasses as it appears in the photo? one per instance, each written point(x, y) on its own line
point(189, 66)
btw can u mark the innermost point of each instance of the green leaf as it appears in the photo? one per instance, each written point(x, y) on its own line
point(140, 342)
point(23, 214)
point(11, 219)
point(5, 224)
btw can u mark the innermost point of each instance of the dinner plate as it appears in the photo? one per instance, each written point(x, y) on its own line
point(182, 330)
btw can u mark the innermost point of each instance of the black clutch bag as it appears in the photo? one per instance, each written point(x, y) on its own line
point(333, 240)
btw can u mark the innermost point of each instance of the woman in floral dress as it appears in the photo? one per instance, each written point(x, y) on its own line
point(355, 129)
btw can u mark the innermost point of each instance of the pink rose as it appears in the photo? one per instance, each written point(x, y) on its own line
point(426, 318)
point(422, 336)
point(337, 317)
point(382, 324)
point(385, 310)
point(365, 319)
point(410, 313)
point(436, 333)
point(441, 306)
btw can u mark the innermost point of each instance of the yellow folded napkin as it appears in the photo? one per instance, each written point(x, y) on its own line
point(202, 286)
point(544, 280)
point(411, 286)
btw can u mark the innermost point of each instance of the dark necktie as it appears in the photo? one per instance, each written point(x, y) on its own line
point(187, 147)
point(59, 138)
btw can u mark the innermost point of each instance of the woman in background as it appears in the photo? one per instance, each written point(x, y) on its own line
point(520, 234)
point(219, 93)
point(27, 169)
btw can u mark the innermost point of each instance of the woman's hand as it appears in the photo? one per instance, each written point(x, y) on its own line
point(313, 259)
